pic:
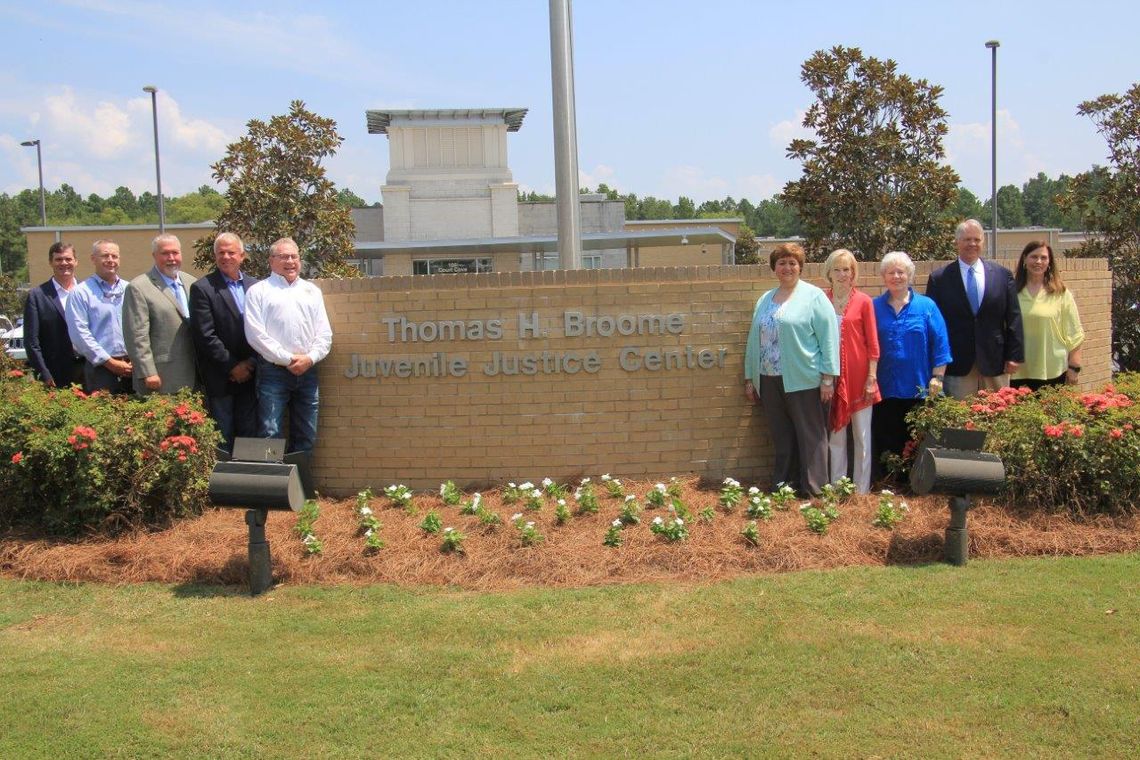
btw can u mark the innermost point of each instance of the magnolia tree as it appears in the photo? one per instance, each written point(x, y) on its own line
point(277, 188)
point(872, 178)
point(1109, 200)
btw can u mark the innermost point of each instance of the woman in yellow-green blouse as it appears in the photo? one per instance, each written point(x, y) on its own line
point(1053, 333)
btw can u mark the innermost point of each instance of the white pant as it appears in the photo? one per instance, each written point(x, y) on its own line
point(837, 446)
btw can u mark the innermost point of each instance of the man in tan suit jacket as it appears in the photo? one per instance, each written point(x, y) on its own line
point(156, 325)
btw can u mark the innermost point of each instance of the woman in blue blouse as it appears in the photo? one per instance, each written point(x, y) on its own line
point(791, 360)
point(914, 350)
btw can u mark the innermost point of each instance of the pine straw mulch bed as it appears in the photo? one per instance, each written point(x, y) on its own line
point(211, 549)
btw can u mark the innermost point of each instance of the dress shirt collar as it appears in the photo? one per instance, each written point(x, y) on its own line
point(280, 281)
point(60, 290)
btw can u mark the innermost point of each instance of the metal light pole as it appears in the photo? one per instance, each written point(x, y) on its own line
point(993, 46)
point(40, 163)
point(157, 163)
point(565, 136)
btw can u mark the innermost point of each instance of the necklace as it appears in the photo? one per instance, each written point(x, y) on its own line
point(840, 302)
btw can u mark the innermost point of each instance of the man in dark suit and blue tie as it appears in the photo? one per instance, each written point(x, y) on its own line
point(50, 353)
point(978, 300)
point(217, 308)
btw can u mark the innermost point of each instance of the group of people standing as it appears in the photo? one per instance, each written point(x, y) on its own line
point(831, 364)
point(251, 345)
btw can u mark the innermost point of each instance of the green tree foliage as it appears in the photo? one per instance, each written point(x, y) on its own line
point(349, 199)
point(1110, 202)
point(746, 246)
point(968, 206)
point(684, 209)
point(872, 178)
point(277, 187)
point(1011, 212)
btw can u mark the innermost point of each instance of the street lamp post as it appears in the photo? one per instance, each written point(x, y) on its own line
point(993, 46)
point(157, 163)
point(40, 164)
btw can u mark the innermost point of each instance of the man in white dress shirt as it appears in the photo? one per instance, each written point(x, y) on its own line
point(286, 324)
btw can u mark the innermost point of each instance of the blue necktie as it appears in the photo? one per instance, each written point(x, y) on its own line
point(972, 290)
point(180, 296)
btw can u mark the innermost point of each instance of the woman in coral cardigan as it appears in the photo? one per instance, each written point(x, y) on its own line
point(856, 388)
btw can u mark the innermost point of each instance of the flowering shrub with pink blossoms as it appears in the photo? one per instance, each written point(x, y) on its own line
point(1062, 448)
point(72, 462)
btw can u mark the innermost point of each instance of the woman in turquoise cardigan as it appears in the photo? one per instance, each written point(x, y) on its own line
point(791, 360)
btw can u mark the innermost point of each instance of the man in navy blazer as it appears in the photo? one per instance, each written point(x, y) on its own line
point(50, 353)
point(217, 308)
point(978, 300)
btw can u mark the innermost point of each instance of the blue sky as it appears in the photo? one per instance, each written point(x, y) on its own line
point(673, 98)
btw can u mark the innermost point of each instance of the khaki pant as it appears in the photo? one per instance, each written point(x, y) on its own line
point(963, 386)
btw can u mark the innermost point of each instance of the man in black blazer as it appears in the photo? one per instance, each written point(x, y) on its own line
point(50, 354)
point(217, 306)
point(978, 300)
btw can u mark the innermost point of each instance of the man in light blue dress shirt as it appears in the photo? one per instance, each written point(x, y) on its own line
point(95, 323)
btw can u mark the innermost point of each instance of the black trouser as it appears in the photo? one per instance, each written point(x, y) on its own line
point(889, 431)
point(102, 379)
point(1036, 385)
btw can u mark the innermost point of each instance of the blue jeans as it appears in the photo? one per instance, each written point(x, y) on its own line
point(235, 415)
point(278, 391)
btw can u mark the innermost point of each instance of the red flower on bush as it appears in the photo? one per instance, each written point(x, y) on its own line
point(78, 392)
point(182, 444)
point(14, 373)
point(18, 457)
point(1054, 431)
point(1116, 433)
point(81, 437)
point(1102, 402)
point(1077, 431)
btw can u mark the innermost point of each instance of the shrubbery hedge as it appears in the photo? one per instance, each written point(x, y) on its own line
point(1062, 449)
point(72, 463)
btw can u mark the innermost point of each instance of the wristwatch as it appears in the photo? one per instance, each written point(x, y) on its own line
point(828, 383)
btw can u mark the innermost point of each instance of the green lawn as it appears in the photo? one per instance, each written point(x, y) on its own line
point(1010, 658)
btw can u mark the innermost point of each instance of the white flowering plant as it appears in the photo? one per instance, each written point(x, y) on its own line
point(751, 533)
point(888, 514)
point(783, 496)
point(613, 536)
point(613, 487)
point(511, 493)
point(400, 495)
point(657, 496)
point(554, 490)
point(364, 498)
point(529, 534)
point(533, 500)
point(472, 506)
point(452, 541)
point(708, 514)
point(819, 519)
point(450, 493)
point(586, 498)
point(306, 519)
point(630, 511)
point(759, 504)
point(561, 512)
point(673, 529)
point(731, 493)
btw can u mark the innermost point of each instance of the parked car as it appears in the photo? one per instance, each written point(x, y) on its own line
point(13, 342)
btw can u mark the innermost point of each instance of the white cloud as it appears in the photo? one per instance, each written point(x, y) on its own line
point(601, 173)
point(195, 134)
point(693, 182)
point(783, 132)
point(96, 145)
point(101, 129)
point(968, 150)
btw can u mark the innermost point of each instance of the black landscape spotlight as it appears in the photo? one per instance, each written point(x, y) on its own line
point(256, 478)
point(953, 462)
